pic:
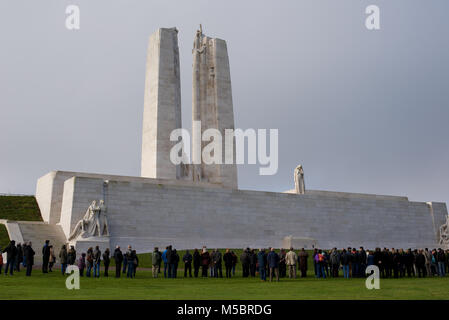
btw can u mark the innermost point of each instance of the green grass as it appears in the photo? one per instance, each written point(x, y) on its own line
point(20, 208)
point(52, 286)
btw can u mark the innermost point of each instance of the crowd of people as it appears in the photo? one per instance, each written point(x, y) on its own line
point(267, 264)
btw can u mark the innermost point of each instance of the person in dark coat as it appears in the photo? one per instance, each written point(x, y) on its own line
point(106, 261)
point(19, 257)
point(273, 264)
point(205, 262)
point(82, 264)
point(218, 270)
point(71, 256)
point(234, 262)
point(11, 254)
point(187, 258)
point(227, 258)
point(252, 263)
point(118, 258)
point(130, 256)
point(196, 262)
point(175, 262)
point(45, 256)
point(24, 248)
point(244, 259)
point(421, 264)
point(97, 261)
point(169, 258)
point(262, 262)
point(396, 264)
point(303, 257)
point(136, 262)
point(63, 258)
point(282, 264)
point(29, 254)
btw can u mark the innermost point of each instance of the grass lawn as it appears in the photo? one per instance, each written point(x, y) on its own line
point(52, 286)
point(19, 208)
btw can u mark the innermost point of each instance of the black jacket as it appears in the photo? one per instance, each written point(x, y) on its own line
point(227, 258)
point(46, 251)
point(118, 256)
point(196, 259)
point(29, 255)
point(106, 258)
point(11, 251)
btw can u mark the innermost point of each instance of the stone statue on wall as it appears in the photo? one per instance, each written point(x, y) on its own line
point(444, 234)
point(300, 186)
point(93, 224)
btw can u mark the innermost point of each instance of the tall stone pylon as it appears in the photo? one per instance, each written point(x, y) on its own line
point(162, 105)
point(212, 106)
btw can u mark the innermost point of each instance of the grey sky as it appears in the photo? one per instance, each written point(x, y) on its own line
point(363, 111)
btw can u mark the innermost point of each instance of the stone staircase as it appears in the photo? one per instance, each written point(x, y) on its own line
point(37, 233)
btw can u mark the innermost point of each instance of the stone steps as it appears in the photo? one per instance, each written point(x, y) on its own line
point(37, 233)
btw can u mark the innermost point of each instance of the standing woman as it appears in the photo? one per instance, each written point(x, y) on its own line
point(106, 261)
point(51, 259)
point(63, 258)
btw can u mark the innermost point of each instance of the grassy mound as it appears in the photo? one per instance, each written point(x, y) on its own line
point(4, 238)
point(21, 208)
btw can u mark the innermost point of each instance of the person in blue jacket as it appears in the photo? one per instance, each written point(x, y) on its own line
point(273, 264)
point(262, 262)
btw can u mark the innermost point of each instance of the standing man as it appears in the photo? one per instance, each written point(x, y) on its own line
point(45, 256)
point(170, 262)
point(11, 253)
point(428, 257)
point(118, 258)
point(63, 258)
point(227, 258)
point(244, 259)
point(29, 254)
point(97, 260)
point(335, 262)
point(273, 264)
point(19, 257)
point(187, 258)
point(156, 258)
point(282, 264)
point(130, 256)
point(164, 258)
point(106, 261)
point(218, 272)
point(262, 261)
point(196, 262)
point(303, 257)
point(290, 260)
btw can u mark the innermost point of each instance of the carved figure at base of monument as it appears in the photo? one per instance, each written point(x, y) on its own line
point(93, 224)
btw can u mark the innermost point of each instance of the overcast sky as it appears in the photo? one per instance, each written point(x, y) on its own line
point(362, 111)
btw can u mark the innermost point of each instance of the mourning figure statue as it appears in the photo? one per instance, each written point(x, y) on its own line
point(93, 224)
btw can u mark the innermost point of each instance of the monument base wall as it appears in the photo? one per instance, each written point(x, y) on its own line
point(147, 214)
